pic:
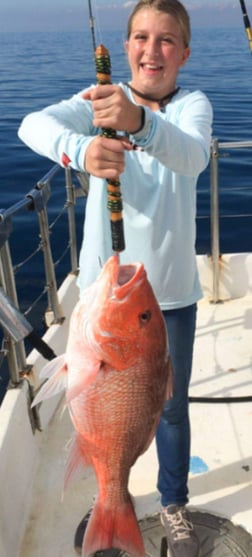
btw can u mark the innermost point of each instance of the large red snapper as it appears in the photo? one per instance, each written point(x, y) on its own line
point(115, 372)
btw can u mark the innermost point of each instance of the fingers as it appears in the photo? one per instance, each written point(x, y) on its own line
point(107, 107)
point(105, 158)
point(99, 92)
point(111, 107)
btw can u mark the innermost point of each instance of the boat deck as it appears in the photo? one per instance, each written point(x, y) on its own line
point(221, 462)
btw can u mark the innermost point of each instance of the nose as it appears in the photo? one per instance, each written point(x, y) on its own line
point(152, 48)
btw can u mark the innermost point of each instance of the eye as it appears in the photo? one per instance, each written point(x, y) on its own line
point(144, 317)
point(167, 40)
point(140, 37)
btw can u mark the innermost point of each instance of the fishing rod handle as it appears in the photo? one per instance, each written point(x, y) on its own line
point(114, 203)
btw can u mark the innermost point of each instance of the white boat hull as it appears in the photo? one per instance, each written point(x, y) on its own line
point(34, 519)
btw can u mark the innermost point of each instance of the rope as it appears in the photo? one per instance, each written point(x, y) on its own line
point(220, 400)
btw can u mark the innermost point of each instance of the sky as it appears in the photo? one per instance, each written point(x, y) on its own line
point(72, 15)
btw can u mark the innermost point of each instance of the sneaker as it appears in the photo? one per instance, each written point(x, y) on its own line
point(180, 533)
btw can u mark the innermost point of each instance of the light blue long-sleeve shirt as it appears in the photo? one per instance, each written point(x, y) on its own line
point(158, 188)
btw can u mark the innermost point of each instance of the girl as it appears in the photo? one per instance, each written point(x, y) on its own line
point(172, 128)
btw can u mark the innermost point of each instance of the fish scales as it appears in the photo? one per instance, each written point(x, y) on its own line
point(116, 369)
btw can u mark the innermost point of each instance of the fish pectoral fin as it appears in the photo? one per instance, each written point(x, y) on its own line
point(52, 386)
point(53, 366)
point(79, 380)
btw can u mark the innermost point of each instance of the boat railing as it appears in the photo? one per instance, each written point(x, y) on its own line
point(217, 149)
point(14, 324)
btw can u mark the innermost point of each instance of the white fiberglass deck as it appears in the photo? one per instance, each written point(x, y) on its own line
point(221, 462)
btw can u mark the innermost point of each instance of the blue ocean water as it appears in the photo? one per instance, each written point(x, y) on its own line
point(38, 69)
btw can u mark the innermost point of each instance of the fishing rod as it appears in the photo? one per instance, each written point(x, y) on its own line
point(91, 23)
point(246, 23)
point(114, 200)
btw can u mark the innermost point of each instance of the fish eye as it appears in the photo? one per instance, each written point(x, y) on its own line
point(145, 316)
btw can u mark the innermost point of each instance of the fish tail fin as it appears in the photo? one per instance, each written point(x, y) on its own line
point(117, 528)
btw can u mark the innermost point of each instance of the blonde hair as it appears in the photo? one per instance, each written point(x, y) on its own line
point(172, 7)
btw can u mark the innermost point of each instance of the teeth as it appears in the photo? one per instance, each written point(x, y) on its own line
point(150, 67)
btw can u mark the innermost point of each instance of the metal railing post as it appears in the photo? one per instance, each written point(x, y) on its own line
point(16, 356)
point(214, 195)
point(70, 199)
point(51, 284)
point(40, 195)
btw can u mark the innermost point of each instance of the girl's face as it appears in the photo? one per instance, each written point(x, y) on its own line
point(155, 51)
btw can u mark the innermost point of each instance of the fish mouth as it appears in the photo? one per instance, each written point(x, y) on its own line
point(128, 277)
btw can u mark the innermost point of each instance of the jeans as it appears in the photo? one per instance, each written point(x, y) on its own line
point(173, 432)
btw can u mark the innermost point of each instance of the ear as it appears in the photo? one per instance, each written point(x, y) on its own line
point(126, 46)
point(186, 54)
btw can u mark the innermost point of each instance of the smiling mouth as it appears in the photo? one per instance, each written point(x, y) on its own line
point(151, 67)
